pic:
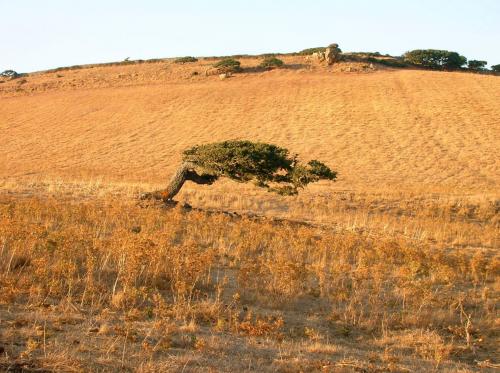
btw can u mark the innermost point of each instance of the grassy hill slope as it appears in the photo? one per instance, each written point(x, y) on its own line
point(403, 128)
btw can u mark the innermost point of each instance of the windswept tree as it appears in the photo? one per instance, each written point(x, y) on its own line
point(267, 166)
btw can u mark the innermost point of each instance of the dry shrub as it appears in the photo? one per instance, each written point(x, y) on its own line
point(258, 325)
point(89, 256)
point(270, 266)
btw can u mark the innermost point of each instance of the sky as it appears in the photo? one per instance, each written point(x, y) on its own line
point(37, 35)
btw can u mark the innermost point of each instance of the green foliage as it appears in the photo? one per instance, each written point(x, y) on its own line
point(435, 59)
point(228, 65)
point(91, 66)
point(10, 74)
point(476, 64)
point(496, 68)
point(393, 62)
point(321, 170)
point(271, 62)
point(186, 59)
point(368, 54)
point(269, 166)
point(376, 57)
point(453, 60)
point(268, 55)
point(308, 51)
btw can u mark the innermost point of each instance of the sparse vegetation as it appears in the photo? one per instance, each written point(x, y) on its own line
point(435, 59)
point(271, 63)
point(105, 64)
point(391, 62)
point(367, 54)
point(309, 51)
point(92, 282)
point(183, 60)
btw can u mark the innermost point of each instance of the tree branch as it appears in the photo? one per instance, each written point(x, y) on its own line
point(203, 179)
point(184, 172)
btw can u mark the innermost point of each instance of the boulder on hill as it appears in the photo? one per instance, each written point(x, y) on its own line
point(331, 55)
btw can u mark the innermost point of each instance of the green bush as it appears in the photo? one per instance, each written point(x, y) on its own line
point(186, 59)
point(367, 54)
point(228, 65)
point(496, 68)
point(476, 64)
point(393, 62)
point(268, 165)
point(271, 63)
point(267, 55)
point(435, 59)
point(10, 74)
point(309, 51)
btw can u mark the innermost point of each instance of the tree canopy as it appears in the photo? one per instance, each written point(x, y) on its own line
point(435, 58)
point(476, 64)
point(267, 165)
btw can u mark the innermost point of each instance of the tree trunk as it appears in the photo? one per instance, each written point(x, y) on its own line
point(184, 172)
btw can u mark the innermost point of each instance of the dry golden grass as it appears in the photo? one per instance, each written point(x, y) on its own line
point(390, 128)
point(396, 269)
point(105, 284)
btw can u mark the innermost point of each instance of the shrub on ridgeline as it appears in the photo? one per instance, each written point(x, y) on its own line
point(267, 165)
point(187, 59)
point(435, 59)
point(10, 74)
point(390, 62)
point(271, 63)
point(228, 65)
point(367, 54)
point(476, 64)
point(308, 51)
point(495, 68)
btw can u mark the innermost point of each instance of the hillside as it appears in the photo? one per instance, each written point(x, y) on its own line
point(384, 128)
point(393, 268)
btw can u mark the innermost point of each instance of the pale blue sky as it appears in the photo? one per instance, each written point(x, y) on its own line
point(42, 34)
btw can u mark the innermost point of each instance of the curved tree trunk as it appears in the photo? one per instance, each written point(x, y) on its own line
point(184, 172)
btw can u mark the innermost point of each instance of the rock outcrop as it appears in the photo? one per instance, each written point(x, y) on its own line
point(332, 54)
